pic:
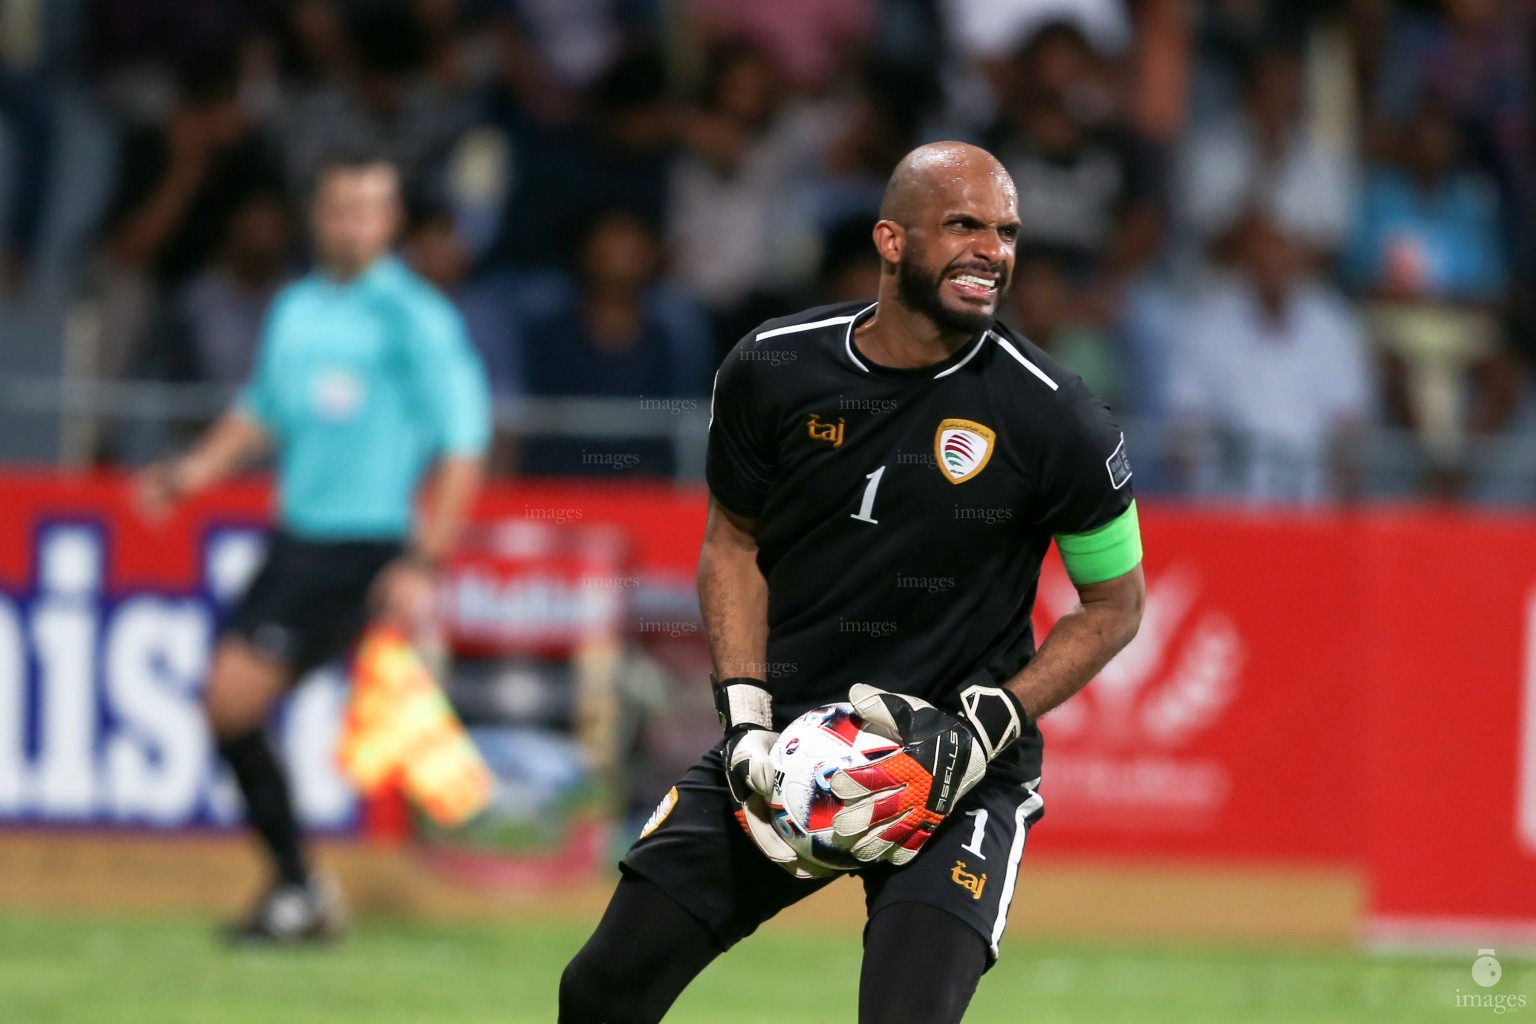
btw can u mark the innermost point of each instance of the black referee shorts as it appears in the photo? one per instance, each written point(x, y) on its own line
point(697, 853)
point(308, 603)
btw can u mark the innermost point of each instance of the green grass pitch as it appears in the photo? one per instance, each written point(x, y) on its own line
point(77, 969)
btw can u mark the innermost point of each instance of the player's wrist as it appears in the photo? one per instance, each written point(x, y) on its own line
point(994, 713)
point(742, 703)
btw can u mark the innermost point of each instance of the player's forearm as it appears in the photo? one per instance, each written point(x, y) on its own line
point(733, 597)
point(232, 441)
point(451, 497)
point(1081, 643)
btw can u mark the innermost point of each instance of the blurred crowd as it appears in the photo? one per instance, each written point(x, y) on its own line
point(1264, 230)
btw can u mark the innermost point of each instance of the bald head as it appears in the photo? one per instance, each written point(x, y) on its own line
point(942, 173)
point(947, 235)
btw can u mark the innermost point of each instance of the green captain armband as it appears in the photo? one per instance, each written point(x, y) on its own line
point(1104, 553)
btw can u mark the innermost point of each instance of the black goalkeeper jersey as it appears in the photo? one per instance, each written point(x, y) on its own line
point(902, 514)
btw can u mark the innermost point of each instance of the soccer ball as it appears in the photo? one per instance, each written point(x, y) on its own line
point(803, 807)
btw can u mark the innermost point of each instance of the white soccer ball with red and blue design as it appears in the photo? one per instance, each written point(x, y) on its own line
point(803, 808)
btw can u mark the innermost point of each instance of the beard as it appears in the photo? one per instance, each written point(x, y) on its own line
point(919, 290)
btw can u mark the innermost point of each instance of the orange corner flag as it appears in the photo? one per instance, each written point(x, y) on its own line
point(401, 729)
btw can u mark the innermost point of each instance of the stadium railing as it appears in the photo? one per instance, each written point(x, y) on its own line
point(135, 421)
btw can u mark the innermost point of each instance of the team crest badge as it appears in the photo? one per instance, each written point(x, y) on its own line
point(963, 448)
point(661, 813)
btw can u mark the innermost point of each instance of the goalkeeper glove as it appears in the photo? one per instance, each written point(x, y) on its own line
point(942, 758)
point(745, 708)
point(746, 715)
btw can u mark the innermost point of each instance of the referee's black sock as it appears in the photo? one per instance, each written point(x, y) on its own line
point(269, 808)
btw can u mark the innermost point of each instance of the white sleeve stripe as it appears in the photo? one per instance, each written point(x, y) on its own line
point(969, 356)
point(1031, 367)
point(796, 328)
point(1015, 857)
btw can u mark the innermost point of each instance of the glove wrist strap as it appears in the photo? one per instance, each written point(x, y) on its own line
point(996, 715)
point(742, 703)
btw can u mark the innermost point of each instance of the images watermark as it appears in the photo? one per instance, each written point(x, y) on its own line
point(674, 406)
point(671, 627)
point(613, 460)
point(769, 669)
point(1487, 973)
point(874, 406)
point(557, 515)
point(610, 582)
point(990, 516)
point(867, 627)
point(932, 584)
point(772, 356)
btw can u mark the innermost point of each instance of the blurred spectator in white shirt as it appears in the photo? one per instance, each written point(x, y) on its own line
point(993, 29)
point(1267, 156)
point(743, 196)
point(1270, 372)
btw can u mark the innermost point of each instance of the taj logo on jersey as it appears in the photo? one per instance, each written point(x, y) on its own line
point(963, 448)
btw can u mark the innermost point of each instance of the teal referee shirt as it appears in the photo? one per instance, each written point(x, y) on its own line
point(361, 385)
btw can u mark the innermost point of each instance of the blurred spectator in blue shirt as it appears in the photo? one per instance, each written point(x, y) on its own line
point(615, 328)
point(1474, 57)
point(1428, 225)
point(1428, 255)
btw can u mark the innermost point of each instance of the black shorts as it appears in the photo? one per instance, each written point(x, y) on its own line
point(697, 853)
point(308, 603)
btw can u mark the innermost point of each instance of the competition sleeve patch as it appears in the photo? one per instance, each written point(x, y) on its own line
point(1119, 465)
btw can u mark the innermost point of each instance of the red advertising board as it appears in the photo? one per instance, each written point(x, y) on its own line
point(1449, 726)
point(1229, 726)
point(1354, 688)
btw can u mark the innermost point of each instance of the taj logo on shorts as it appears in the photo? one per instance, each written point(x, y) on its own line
point(973, 884)
point(963, 448)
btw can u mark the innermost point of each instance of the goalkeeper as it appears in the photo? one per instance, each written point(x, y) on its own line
point(885, 478)
point(364, 380)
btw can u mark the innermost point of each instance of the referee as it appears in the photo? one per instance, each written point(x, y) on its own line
point(364, 382)
point(885, 478)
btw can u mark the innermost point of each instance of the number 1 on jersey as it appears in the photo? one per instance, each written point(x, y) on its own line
point(867, 506)
point(978, 833)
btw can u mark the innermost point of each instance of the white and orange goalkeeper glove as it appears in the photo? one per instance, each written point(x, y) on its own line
point(943, 757)
point(745, 708)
